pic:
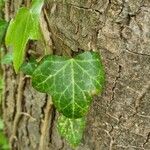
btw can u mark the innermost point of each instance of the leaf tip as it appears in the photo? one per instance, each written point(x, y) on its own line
point(16, 66)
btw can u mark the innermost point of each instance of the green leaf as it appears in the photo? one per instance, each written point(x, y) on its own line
point(3, 27)
point(29, 67)
point(70, 82)
point(71, 129)
point(25, 26)
point(7, 59)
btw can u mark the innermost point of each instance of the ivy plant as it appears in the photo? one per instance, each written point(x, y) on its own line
point(71, 82)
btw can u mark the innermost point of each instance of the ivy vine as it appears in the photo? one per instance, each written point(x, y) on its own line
point(71, 82)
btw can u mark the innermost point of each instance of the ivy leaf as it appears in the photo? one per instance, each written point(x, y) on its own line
point(3, 27)
point(71, 129)
point(25, 26)
point(70, 82)
point(29, 67)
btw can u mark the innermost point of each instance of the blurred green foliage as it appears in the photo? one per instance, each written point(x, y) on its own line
point(2, 2)
point(4, 145)
point(7, 59)
point(3, 26)
point(3, 140)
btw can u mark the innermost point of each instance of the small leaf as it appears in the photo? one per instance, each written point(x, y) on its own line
point(25, 26)
point(3, 27)
point(29, 67)
point(70, 82)
point(7, 59)
point(71, 129)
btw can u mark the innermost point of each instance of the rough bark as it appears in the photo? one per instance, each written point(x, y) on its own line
point(119, 119)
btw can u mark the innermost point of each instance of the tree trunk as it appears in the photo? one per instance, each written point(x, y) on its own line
point(119, 119)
